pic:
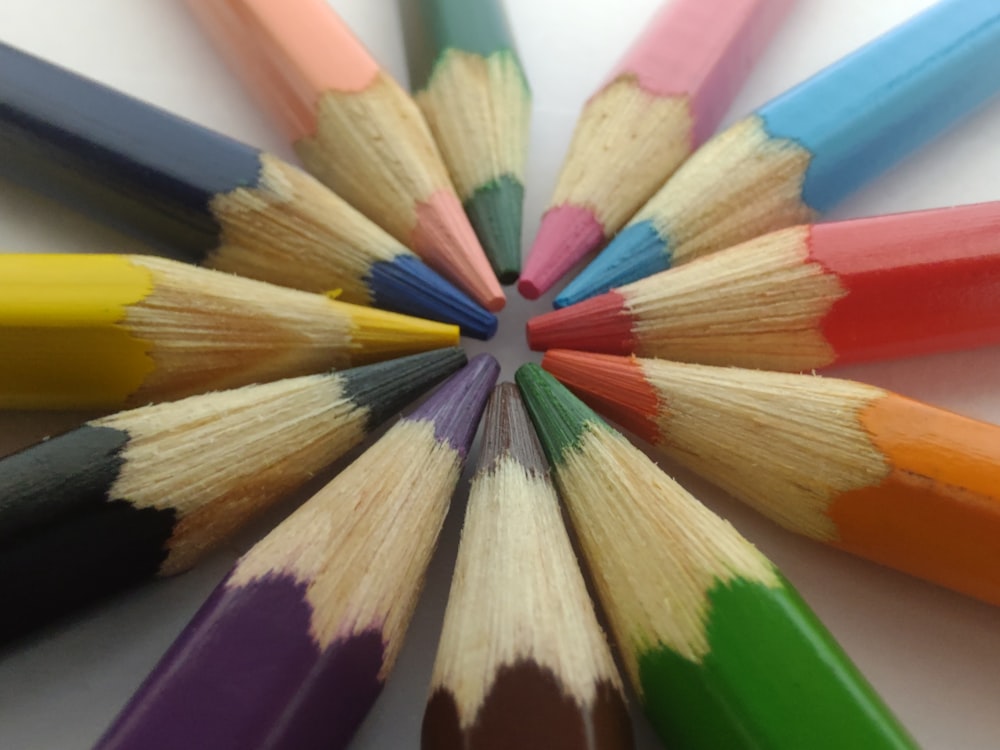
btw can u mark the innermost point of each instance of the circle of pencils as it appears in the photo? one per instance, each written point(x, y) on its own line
point(150, 491)
point(522, 661)
point(719, 647)
point(309, 622)
point(353, 127)
point(801, 153)
point(661, 102)
point(205, 198)
point(902, 483)
point(807, 297)
point(99, 331)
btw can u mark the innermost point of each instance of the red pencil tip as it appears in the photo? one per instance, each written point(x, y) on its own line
point(599, 324)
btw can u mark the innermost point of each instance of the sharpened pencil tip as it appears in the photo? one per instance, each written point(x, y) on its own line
point(567, 233)
point(637, 252)
point(495, 212)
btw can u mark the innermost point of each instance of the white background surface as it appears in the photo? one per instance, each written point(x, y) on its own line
point(934, 655)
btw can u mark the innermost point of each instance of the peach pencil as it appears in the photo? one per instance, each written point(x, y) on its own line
point(807, 297)
point(662, 100)
point(899, 482)
point(353, 127)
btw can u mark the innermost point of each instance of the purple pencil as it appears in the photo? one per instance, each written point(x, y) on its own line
point(292, 648)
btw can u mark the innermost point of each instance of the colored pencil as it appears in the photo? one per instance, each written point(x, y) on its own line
point(807, 297)
point(662, 100)
point(103, 331)
point(719, 647)
point(148, 492)
point(471, 87)
point(205, 198)
point(353, 127)
point(908, 485)
point(522, 660)
point(798, 155)
point(292, 648)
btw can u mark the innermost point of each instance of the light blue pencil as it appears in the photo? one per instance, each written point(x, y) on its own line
point(801, 153)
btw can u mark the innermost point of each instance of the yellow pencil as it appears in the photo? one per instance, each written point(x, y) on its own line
point(100, 331)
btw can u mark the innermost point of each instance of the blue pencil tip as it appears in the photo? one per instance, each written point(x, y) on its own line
point(406, 285)
point(635, 253)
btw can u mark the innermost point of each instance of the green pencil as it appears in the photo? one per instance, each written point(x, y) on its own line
point(471, 88)
point(720, 648)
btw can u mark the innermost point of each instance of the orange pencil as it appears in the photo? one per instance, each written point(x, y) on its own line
point(903, 483)
point(353, 127)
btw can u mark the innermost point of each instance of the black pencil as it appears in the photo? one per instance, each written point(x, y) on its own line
point(147, 492)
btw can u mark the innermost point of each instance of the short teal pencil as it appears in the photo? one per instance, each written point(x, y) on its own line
point(721, 650)
point(471, 88)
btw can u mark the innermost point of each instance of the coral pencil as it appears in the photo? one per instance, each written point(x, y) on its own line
point(662, 100)
point(798, 155)
point(100, 331)
point(719, 647)
point(353, 127)
point(807, 297)
point(205, 198)
point(899, 482)
point(148, 492)
point(522, 660)
point(471, 88)
point(292, 648)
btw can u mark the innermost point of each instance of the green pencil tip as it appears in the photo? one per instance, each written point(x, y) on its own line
point(495, 212)
point(560, 418)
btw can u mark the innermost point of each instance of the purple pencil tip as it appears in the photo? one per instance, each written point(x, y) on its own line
point(456, 407)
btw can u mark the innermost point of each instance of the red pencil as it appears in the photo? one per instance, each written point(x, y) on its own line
point(807, 297)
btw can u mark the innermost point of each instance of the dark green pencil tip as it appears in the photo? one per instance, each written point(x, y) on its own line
point(495, 212)
point(560, 418)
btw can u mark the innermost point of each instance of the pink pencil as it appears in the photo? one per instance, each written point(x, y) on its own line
point(662, 100)
point(353, 127)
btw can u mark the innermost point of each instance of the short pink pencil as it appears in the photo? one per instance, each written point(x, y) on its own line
point(353, 127)
point(664, 98)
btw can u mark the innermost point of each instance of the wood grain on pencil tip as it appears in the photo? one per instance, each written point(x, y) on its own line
point(662, 100)
point(471, 87)
point(834, 460)
point(807, 297)
point(205, 198)
point(719, 647)
point(148, 492)
point(353, 127)
point(801, 153)
point(100, 331)
point(522, 661)
point(308, 624)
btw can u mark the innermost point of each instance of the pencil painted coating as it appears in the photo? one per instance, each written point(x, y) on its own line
point(204, 198)
point(471, 88)
point(353, 127)
point(522, 661)
point(807, 297)
point(310, 621)
point(806, 150)
point(846, 461)
point(662, 100)
point(100, 331)
point(720, 648)
point(105, 506)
